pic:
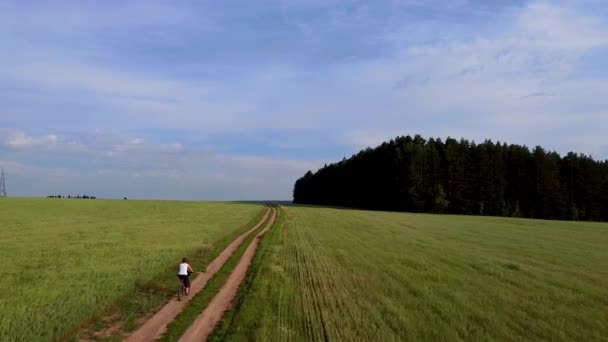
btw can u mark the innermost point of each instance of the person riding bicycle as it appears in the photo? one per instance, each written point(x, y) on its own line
point(184, 274)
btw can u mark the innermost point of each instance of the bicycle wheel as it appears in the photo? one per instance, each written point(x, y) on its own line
point(180, 290)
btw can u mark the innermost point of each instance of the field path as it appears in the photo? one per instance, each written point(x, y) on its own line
point(211, 316)
point(156, 325)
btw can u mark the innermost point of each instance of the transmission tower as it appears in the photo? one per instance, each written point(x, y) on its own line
point(2, 184)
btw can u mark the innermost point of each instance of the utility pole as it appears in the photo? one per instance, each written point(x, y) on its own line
point(2, 184)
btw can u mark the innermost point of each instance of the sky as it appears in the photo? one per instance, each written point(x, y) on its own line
point(235, 100)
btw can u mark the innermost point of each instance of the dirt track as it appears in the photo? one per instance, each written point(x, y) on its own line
point(155, 326)
point(211, 316)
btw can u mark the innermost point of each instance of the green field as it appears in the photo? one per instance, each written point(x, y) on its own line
point(344, 275)
point(320, 274)
point(62, 260)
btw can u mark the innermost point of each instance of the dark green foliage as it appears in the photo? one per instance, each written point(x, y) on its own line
point(440, 202)
point(462, 177)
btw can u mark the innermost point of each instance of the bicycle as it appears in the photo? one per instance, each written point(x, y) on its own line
point(181, 290)
point(184, 285)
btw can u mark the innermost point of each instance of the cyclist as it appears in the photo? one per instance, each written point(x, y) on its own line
point(184, 274)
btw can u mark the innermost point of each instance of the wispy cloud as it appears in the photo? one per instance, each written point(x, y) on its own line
point(539, 94)
point(106, 159)
point(104, 82)
point(246, 98)
point(20, 140)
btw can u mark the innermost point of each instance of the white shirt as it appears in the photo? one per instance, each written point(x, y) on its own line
point(183, 268)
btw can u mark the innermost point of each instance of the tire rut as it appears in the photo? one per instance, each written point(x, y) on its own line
point(206, 322)
point(156, 325)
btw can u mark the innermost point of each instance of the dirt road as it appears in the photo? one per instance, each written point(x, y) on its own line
point(156, 325)
point(211, 316)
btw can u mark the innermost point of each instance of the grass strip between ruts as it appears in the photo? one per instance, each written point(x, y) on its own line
point(272, 238)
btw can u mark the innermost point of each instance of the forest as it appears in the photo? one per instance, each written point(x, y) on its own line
point(462, 177)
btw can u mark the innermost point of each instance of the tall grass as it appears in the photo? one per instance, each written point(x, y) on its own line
point(347, 275)
point(63, 260)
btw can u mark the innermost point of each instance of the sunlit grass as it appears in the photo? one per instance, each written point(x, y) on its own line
point(61, 260)
point(348, 275)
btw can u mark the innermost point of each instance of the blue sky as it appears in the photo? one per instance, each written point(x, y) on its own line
point(236, 99)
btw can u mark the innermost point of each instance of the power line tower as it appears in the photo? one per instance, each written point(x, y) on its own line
point(2, 184)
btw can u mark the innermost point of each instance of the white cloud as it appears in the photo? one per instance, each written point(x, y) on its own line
point(104, 82)
point(116, 166)
point(480, 88)
point(136, 141)
point(521, 84)
point(19, 139)
point(552, 27)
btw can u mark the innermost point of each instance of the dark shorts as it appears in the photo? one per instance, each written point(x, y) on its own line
point(185, 279)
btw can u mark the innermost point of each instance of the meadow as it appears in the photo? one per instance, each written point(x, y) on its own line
point(344, 275)
point(63, 260)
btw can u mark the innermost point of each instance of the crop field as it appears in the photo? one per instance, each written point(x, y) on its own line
point(62, 260)
point(343, 275)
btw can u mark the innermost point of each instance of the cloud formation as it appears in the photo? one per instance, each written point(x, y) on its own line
point(136, 168)
point(235, 101)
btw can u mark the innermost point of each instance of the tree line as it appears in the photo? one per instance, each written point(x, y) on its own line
point(462, 177)
point(70, 196)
